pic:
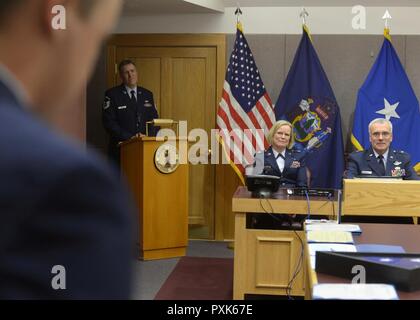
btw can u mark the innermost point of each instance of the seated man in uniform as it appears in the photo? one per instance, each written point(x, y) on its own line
point(127, 109)
point(380, 159)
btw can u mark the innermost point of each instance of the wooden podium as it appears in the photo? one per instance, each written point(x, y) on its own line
point(162, 199)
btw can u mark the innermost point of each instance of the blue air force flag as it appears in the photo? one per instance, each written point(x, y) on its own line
point(387, 93)
point(308, 102)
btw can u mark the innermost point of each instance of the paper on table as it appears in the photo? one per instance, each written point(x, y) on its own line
point(316, 221)
point(333, 227)
point(329, 236)
point(339, 247)
point(312, 259)
point(377, 248)
point(368, 291)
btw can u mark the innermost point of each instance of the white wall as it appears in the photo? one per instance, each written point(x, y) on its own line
point(277, 20)
point(216, 5)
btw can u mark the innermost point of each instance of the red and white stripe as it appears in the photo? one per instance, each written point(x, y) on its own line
point(232, 120)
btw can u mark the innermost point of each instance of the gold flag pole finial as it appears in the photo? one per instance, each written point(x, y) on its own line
point(387, 17)
point(304, 14)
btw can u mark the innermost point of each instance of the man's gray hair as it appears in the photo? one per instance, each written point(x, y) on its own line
point(380, 121)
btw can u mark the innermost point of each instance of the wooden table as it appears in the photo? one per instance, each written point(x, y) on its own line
point(266, 260)
point(407, 236)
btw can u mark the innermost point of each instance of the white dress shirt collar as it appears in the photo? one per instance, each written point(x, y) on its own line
point(14, 85)
point(131, 89)
point(385, 156)
point(277, 153)
point(280, 160)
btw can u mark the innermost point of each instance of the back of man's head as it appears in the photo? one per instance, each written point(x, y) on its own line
point(60, 57)
point(8, 5)
point(7, 8)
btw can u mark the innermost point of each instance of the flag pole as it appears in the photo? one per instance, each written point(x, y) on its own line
point(303, 15)
point(386, 17)
point(238, 14)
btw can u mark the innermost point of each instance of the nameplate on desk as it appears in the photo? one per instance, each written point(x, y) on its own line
point(332, 247)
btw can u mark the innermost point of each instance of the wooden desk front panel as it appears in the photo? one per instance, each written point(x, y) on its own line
point(266, 260)
point(381, 197)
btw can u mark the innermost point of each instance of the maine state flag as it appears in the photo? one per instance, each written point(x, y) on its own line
point(308, 102)
point(387, 93)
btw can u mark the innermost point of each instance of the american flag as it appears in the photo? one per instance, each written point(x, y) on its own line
point(245, 112)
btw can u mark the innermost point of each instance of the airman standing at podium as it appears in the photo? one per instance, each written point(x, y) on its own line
point(127, 109)
point(380, 159)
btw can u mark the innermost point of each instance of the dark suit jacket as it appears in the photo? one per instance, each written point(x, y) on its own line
point(59, 205)
point(364, 162)
point(123, 118)
point(294, 173)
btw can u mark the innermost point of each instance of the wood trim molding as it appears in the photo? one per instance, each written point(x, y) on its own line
point(167, 40)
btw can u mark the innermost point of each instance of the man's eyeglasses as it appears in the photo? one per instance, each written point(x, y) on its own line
point(383, 134)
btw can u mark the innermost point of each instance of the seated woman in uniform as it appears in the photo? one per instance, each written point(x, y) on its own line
point(282, 161)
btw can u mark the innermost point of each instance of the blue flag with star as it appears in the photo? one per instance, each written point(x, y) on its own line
point(387, 93)
point(308, 102)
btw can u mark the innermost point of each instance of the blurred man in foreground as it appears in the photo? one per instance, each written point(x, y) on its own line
point(65, 221)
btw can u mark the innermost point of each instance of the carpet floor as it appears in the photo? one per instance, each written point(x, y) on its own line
point(198, 278)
